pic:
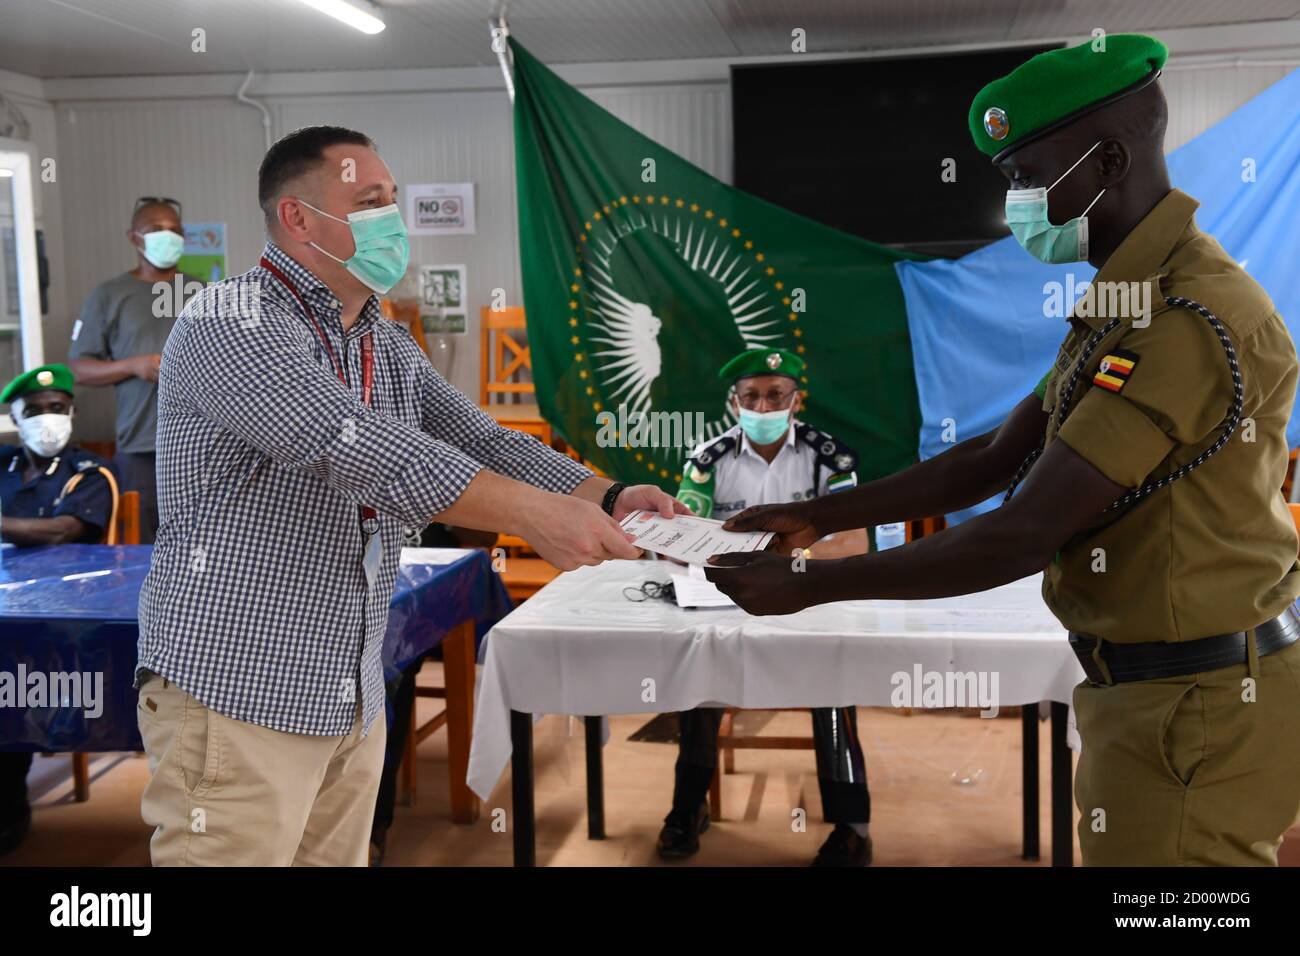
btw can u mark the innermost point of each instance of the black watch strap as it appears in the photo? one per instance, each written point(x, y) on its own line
point(611, 495)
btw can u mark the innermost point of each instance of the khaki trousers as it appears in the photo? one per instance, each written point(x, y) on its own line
point(1188, 771)
point(223, 792)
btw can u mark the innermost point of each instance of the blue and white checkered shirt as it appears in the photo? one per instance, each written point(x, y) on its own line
point(256, 602)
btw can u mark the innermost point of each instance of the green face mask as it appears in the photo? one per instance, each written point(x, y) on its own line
point(382, 248)
point(163, 248)
point(1027, 217)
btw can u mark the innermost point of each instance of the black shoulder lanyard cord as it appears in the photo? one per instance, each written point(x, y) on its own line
point(369, 517)
point(1063, 407)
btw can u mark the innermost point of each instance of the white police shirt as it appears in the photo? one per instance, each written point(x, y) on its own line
point(726, 475)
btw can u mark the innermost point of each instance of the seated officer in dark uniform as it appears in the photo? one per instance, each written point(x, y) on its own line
point(1150, 461)
point(50, 493)
point(769, 457)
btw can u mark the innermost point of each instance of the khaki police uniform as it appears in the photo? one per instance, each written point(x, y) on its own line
point(1180, 597)
point(1203, 768)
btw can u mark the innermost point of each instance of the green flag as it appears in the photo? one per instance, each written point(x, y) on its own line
point(643, 275)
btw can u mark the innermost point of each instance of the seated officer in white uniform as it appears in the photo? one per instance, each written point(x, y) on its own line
point(50, 493)
point(768, 458)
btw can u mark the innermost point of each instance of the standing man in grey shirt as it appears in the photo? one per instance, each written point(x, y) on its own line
point(118, 341)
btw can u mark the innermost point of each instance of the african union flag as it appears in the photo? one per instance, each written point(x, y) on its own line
point(643, 275)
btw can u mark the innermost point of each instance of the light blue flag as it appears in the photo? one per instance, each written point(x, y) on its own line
point(980, 337)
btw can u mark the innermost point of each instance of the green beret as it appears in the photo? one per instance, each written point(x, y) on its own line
point(1057, 87)
point(762, 362)
point(38, 380)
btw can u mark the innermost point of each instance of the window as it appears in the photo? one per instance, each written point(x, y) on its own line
point(21, 345)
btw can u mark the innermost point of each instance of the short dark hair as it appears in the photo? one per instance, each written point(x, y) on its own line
point(294, 155)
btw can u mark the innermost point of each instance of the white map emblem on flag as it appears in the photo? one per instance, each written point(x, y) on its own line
point(626, 354)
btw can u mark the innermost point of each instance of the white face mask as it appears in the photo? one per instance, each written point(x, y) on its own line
point(45, 435)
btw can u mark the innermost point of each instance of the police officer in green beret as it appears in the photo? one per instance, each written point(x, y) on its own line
point(1149, 463)
point(50, 493)
point(770, 456)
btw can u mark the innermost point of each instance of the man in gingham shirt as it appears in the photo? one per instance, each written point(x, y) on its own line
point(283, 498)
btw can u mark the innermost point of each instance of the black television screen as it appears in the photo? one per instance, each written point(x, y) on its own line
point(860, 145)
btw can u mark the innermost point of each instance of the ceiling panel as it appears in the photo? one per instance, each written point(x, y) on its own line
point(79, 38)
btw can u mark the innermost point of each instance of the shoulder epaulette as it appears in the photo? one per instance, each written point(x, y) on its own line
point(710, 453)
point(832, 454)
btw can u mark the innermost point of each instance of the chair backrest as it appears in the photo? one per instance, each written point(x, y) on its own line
point(406, 313)
point(128, 517)
point(504, 354)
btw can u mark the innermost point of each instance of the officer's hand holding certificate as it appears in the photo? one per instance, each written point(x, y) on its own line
point(689, 539)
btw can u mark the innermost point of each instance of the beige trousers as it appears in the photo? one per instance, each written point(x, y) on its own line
point(223, 792)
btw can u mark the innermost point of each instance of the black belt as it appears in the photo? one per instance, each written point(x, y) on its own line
point(1121, 663)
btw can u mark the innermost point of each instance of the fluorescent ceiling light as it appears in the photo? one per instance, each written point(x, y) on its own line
point(353, 17)
point(6, 173)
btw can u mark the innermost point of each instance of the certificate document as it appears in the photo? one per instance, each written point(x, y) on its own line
point(689, 539)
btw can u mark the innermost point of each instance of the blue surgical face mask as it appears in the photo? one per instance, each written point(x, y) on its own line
point(763, 428)
point(382, 248)
point(1027, 217)
point(163, 248)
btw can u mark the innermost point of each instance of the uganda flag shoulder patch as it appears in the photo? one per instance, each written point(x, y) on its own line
point(1114, 371)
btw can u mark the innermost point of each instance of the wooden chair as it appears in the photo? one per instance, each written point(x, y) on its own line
point(124, 529)
point(458, 660)
point(729, 743)
point(128, 518)
point(406, 313)
point(524, 573)
point(419, 732)
point(504, 357)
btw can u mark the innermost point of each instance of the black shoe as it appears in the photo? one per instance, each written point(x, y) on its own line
point(14, 829)
point(679, 839)
point(844, 848)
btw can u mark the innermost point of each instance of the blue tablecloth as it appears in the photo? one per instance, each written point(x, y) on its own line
point(71, 609)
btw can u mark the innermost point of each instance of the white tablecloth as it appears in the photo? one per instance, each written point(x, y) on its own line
point(579, 646)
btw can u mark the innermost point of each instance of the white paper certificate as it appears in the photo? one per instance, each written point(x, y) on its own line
point(688, 538)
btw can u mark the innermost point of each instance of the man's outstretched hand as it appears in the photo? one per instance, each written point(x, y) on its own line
point(761, 582)
point(647, 498)
point(790, 521)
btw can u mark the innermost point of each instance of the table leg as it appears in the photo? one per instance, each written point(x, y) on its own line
point(81, 776)
point(521, 788)
point(1029, 779)
point(1062, 797)
point(595, 780)
point(406, 782)
point(458, 674)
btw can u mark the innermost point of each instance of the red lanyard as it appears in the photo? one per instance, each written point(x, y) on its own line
point(369, 517)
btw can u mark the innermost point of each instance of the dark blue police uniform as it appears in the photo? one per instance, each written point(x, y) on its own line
point(91, 500)
point(43, 497)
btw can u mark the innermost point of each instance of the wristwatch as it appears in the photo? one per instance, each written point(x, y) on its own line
point(611, 496)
